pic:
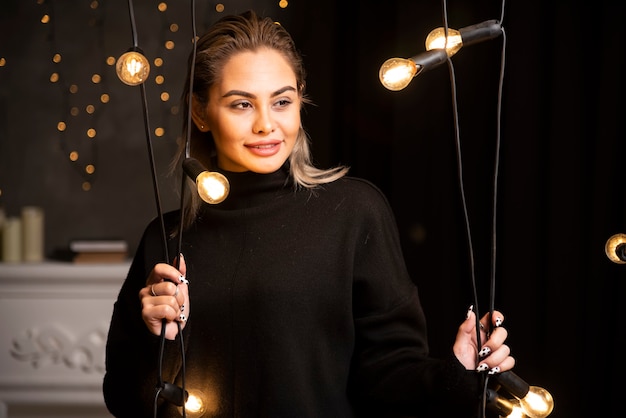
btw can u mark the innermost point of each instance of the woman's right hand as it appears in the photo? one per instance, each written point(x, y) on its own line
point(166, 296)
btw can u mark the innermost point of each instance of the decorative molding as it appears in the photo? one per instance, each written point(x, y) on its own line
point(54, 345)
point(54, 318)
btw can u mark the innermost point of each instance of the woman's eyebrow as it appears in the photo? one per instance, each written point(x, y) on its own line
point(252, 96)
point(283, 90)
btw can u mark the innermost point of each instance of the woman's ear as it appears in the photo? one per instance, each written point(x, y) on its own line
point(198, 117)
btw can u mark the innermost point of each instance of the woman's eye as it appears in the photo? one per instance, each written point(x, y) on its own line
point(242, 105)
point(283, 103)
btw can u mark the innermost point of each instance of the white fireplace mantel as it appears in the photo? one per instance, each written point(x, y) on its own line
point(54, 318)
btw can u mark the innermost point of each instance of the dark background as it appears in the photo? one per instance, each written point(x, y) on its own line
point(560, 189)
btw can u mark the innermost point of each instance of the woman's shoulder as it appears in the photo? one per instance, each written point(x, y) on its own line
point(358, 192)
point(169, 220)
point(356, 186)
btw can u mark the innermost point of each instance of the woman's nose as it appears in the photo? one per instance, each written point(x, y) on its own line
point(264, 123)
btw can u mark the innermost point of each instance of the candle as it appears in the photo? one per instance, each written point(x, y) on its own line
point(12, 240)
point(32, 234)
point(3, 217)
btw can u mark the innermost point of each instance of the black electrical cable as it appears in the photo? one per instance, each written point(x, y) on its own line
point(192, 66)
point(492, 290)
point(189, 98)
point(133, 26)
point(459, 157)
point(492, 287)
point(154, 174)
point(180, 232)
point(164, 389)
point(146, 119)
point(183, 367)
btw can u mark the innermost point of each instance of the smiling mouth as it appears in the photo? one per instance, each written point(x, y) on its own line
point(267, 149)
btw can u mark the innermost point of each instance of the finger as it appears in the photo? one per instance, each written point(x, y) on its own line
point(153, 317)
point(158, 312)
point(495, 367)
point(162, 272)
point(487, 326)
point(497, 318)
point(497, 337)
point(182, 267)
point(150, 303)
point(182, 295)
point(496, 360)
point(165, 288)
point(495, 341)
point(507, 364)
point(469, 324)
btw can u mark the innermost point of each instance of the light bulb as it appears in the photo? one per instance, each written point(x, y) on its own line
point(194, 404)
point(200, 404)
point(537, 403)
point(436, 39)
point(213, 187)
point(615, 248)
point(396, 73)
point(509, 408)
point(132, 67)
point(517, 412)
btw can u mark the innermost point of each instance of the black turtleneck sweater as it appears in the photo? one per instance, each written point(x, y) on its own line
point(301, 306)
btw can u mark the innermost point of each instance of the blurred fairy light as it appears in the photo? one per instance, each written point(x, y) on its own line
point(80, 103)
point(168, 47)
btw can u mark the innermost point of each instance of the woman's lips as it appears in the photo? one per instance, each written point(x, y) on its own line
point(264, 149)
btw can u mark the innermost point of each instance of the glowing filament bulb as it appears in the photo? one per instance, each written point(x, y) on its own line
point(436, 39)
point(194, 404)
point(615, 247)
point(213, 187)
point(537, 403)
point(396, 73)
point(132, 68)
point(517, 413)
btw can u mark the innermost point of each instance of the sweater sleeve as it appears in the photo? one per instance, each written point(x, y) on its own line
point(132, 352)
point(392, 370)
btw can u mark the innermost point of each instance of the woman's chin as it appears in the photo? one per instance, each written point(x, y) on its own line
point(269, 166)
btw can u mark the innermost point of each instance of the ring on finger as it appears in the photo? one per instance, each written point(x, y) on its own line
point(152, 290)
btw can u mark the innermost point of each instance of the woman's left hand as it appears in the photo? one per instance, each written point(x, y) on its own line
point(493, 355)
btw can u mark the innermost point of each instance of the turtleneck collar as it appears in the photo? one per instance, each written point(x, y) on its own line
point(249, 189)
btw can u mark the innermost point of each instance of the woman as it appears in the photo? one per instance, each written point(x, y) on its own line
point(300, 304)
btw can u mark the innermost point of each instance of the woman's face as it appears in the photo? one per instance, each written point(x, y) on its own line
point(253, 112)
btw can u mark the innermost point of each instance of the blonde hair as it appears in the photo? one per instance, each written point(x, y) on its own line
point(228, 36)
